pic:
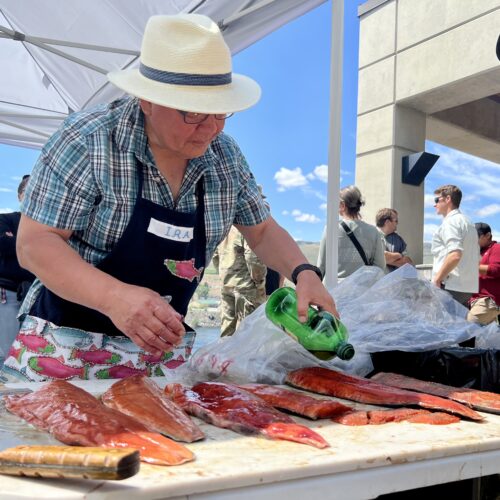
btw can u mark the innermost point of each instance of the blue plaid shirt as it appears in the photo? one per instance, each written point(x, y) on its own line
point(86, 181)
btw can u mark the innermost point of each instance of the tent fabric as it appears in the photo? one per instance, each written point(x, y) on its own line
point(55, 54)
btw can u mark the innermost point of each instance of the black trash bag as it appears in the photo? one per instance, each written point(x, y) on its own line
point(456, 366)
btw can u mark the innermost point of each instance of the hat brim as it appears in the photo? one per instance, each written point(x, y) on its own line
point(240, 94)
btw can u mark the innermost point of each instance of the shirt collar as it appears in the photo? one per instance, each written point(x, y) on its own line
point(455, 211)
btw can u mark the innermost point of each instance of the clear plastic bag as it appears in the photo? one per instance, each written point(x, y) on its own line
point(258, 351)
point(401, 312)
point(393, 312)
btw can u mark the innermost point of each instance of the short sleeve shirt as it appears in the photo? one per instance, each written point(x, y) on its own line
point(86, 180)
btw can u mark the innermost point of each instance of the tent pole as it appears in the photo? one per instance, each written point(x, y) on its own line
point(335, 142)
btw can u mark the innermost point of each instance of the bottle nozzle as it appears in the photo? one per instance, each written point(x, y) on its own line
point(345, 351)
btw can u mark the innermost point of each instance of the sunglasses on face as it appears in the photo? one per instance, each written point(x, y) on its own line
point(436, 199)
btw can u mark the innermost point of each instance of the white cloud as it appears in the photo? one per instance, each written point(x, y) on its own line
point(285, 212)
point(429, 200)
point(323, 206)
point(288, 179)
point(430, 215)
point(321, 173)
point(300, 216)
point(488, 210)
point(477, 178)
point(6, 190)
point(6, 210)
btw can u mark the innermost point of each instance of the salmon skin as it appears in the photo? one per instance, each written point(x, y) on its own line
point(378, 417)
point(341, 385)
point(141, 398)
point(480, 400)
point(296, 402)
point(230, 407)
point(75, 417)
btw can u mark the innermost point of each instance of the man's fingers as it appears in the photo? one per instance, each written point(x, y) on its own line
point(170, 318)
point(152, 343)
point(163, 332)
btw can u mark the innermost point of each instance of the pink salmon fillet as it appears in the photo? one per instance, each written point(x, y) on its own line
point(377, 417)
point(140, 397)
point(230, 407)
point(479, 400)
point(296, 402)
point(75, 417)
point(341, 385)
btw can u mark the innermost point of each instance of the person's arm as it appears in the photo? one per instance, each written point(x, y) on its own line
point(391, 258)
point(138, 312)
point(492, 269)
point(396, 259)
point(277, 249)
point(450, 262)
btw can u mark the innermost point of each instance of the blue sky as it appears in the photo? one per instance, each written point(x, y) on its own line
point(285, 136)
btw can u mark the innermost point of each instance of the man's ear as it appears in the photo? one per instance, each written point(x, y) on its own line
point(145, 106)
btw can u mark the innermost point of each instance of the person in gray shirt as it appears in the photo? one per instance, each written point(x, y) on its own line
point(350, 259)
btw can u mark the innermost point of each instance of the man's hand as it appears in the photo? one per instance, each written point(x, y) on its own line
point(437, 282)
point(310, 290)
point(146, 318)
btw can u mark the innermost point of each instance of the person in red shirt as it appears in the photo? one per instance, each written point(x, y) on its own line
point(484, 305)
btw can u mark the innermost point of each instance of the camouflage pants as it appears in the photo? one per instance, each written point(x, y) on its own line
point(236, 304)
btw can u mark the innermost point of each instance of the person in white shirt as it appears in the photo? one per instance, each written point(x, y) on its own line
point(454, 247)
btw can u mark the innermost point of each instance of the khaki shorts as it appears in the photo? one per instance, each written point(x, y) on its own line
point(483, 311)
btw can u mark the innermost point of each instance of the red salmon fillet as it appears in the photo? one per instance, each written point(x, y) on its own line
point(480, 400)
point(140, 398)
point(378, 417)
point(296, 402)
point(75, 417)
point(230, 407)
point(341, 385)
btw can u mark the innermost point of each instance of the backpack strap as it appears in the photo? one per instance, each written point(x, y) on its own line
point(355, 242)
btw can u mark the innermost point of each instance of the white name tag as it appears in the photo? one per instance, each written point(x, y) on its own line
point(170, 232)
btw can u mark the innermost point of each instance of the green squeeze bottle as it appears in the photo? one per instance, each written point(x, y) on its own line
point(322, 334)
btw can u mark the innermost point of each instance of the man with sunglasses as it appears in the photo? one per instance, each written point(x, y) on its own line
point(454, 247)
point(126, 206)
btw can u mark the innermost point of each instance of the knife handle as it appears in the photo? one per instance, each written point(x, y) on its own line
point(70, 462)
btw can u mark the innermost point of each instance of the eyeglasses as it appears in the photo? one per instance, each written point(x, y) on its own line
point(27, 176)
point(436, 199)
point(195, 118)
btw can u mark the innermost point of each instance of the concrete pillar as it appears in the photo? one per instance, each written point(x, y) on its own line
point(387, 131)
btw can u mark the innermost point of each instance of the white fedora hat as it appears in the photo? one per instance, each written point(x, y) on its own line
point(186, 64)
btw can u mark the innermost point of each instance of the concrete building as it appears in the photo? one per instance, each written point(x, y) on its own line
point(427, 70)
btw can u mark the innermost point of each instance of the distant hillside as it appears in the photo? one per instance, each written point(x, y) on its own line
point(310, 250)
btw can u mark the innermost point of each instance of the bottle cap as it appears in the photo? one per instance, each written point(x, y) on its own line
point(345, 351)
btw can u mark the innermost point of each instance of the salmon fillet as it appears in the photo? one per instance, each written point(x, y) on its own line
point(75, 417)
point(480, 400)
point(230, 407)
point(378, 417)
point(341, 385)
point(140, 397)
point(296, 402)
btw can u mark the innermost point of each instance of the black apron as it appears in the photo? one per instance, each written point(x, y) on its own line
point(171, 264)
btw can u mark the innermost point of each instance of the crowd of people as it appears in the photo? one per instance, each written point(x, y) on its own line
point(466, 260)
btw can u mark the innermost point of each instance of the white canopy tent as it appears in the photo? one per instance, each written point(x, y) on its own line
point(55, 55)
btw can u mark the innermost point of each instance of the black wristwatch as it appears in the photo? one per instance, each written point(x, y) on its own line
point(305, 267)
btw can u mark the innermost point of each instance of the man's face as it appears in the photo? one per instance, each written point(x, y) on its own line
point(167, 131)
point(441, 203)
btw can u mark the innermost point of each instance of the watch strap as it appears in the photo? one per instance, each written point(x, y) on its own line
point(305, 267)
